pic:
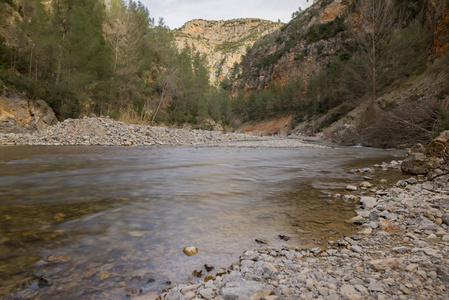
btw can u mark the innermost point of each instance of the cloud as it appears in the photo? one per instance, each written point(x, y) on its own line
point(178, 12)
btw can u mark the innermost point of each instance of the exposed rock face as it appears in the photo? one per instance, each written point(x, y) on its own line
point(437, 19)
point(224, 42)
point(334, 10)
point(439, 147)
point(19, 115)
point(8, 26)
point(287, 54)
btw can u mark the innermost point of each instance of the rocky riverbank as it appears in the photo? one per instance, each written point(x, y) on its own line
point(401, 251)
point(104, 131)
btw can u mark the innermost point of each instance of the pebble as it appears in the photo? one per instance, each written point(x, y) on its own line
point(107, 132)
point(399, 254)
point(191, 250)
point(351, 188)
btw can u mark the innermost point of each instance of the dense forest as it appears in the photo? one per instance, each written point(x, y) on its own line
point(106, 58)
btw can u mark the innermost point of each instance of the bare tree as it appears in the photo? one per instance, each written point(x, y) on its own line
point(168, 87)
point(371, 25)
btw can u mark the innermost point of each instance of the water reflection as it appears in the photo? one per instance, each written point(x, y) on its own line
point(110, 222)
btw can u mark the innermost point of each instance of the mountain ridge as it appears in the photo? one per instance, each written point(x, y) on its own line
point(223, 42)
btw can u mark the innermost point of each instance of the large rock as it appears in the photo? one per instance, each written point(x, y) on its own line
point(43, 115)
point(19, 115)
point(423, 160)
point(418, 164)
point(439, 147)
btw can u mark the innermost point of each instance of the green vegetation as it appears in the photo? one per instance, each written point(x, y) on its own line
point(324, 31)
point(400, 52)
point(107, 58)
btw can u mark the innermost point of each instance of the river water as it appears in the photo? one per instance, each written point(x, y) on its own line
point(112, 222)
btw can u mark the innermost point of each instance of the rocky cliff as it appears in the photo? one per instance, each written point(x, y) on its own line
point(306, 44)
point(19, 115)
point(224, 42)
point(319, 38)
point(299, 49)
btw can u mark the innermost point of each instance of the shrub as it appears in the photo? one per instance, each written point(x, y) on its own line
point(60, 98)
point(333, 117)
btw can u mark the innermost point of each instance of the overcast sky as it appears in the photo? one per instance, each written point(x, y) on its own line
point(177, 12)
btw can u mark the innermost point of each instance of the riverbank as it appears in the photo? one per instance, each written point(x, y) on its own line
point(401, 251)
point(107, 132)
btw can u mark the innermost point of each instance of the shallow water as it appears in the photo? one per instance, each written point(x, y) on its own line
point(111, 222)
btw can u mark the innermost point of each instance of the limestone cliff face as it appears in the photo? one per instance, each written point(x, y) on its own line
point(299, 49)
point(18, 114)
point(8, 25)
point(304, 46)
point(224, 42)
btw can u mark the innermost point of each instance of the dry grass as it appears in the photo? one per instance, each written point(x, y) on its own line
point(130, 116)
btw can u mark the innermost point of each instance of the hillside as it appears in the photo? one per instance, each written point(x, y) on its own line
point(300, 49)
point(369, 72)
point(323, 68)
point(223, 42)
point(104, 58)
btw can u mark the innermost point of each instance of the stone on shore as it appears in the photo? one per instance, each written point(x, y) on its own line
point(400, 251)
point(351, 188)
point(368, 202)
point(386, 263)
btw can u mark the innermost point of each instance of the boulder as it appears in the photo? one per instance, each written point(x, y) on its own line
point(422, 160)
point(439, 147)
point(42, 114)
point(18, 115)
point(418, 164)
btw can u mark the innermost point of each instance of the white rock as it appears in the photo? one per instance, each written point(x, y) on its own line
point(412, 267)
point(366, 184)
point(350, 292)
point(368, 202)
point(351, 188)
point(309, 284)
point(356, 248)
point(207, 293)
point(431, 236)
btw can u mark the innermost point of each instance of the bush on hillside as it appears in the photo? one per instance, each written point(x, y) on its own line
point(60, 98)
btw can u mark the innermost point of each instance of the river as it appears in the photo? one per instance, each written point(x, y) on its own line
point(112, 222)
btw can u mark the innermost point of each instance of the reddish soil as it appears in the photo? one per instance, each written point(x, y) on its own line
point(282, 125)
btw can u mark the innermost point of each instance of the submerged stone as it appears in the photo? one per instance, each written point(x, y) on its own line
point(191, 251)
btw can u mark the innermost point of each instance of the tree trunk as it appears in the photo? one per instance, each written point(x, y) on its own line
point(31, 63)
point(159, 106)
